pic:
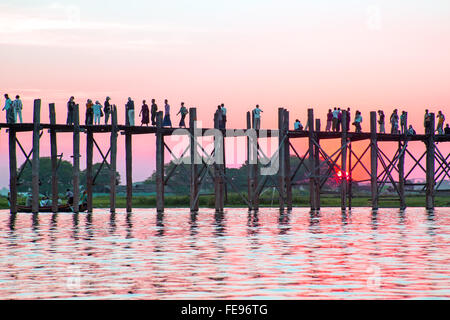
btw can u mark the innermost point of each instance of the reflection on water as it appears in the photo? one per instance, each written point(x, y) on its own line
point(237, 254)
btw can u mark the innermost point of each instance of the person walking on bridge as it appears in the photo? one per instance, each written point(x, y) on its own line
point(97, 108)
point(358, 121)
point(329, 120)
point(17, 105)
point(107, 109)
point(394, 122)
point(224, 116)
point(257, 117)
point(89, 112)
point(183, 112)
point(403, 122)
point(9, 109)
point(145, 112)
point(167, 122)
point(70, 108)
point(130, 111)
point(154, 110)
point(440, 123)
point(427, 122)
point(381, 121)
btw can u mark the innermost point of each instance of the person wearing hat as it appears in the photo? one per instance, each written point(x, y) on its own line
point(97, 112)
point(107, 109)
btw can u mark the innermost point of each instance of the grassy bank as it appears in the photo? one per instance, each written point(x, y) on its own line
point(234, 200)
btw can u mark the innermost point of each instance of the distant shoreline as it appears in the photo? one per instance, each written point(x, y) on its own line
point(235, 201)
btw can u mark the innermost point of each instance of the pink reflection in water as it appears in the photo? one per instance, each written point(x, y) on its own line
point(236, 255)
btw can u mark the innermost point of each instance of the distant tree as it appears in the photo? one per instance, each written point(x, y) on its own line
point(102, 181)
point(65, 175)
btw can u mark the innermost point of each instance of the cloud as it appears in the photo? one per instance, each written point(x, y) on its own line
point(62, 26)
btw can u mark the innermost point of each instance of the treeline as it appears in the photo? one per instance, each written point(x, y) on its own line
point(65, 176)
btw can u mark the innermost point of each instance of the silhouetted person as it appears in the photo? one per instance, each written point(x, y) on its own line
point(89, 113)
point(348, 119)
point(394, 122)
point(224, 116)
point(427, 122)
point(257, 117)
point(298, 125)
point(153, 111)
point(70, 110)
point(17, 106)
point(410, 131)
point(167, 122)
point(97, 109)
point(218, 118)
point(107, 109)
point(403, 122)
point(339, 121)
point(358, 121)
point(335, 118)
point(329, 120)
point(447, 129)
point(130, 111)
point(440, 122)
point(183, 112)
point(145, 113)
point(9, 109)
point(381, 121)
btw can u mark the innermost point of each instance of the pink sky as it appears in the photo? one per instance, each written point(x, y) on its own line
point(363, 54)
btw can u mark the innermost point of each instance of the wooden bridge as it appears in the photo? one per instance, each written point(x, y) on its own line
point(313, 160)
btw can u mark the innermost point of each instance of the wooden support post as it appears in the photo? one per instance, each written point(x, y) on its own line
point(12, 172)
point(159, 163)
point(129, 172)
point(194, 201)
point(281, 159)
point(430, 157)
point(317, 165)
point(113, 160)
point(76, 158)
point(344, 161)
point(252, 172)
point(218, 174)
point(401, 166)
point(373, 160)
point(35, 162)
point(312, 180)
point(89, 159)
point(350, 176)
point(54, 158)
point(287, 163)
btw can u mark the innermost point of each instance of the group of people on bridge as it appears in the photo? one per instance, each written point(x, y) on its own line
point(96, 111)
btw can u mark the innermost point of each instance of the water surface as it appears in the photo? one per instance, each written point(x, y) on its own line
point(235, 255)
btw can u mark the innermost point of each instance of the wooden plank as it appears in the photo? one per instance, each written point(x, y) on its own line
point(113, 160)
point(129, 172)
point(344, 161)
point(194, 203)
point(12, 172)
point(159, 164)
point(430, 158)
point(373, 159)
point(76, 158)
point(89, 173)
point(35, 161)
point(54, 158)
